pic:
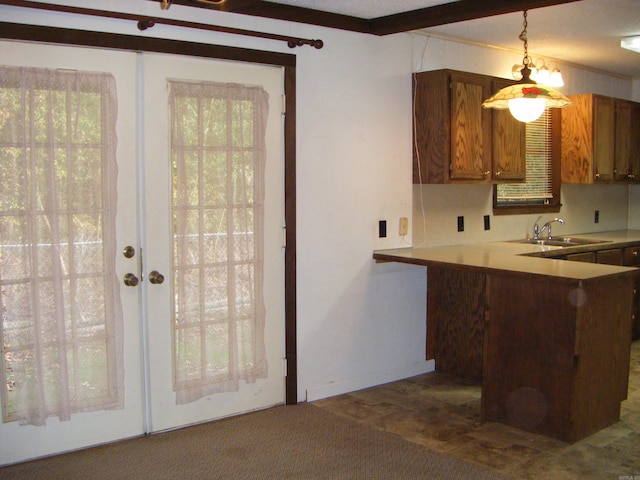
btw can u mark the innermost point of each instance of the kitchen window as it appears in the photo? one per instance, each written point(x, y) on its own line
point(540, 193)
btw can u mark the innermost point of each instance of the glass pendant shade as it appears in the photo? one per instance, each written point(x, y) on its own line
point(526, 109)
point(556, 79)
point(543, 76)
point(545, 98)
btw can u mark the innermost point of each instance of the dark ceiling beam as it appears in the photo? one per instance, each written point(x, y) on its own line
point(457, 11)
point(289, 13)
point(454, 12)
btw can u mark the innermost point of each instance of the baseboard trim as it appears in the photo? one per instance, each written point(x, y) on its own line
point(338, 388)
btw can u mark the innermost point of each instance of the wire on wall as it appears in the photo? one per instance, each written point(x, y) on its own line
point(415, 145)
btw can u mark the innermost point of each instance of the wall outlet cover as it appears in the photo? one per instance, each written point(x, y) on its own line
point(382, 228)
point(403, 226)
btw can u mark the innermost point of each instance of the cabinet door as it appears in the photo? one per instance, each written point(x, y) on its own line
point(610, 256)
point(587, 144)
point(456, 321)
point(632, 256)
point(509, 144)
point(470, 128)
point(603, 138)
point(431, 142)
point(588, 257)
point(627, 143)
point(634, 140)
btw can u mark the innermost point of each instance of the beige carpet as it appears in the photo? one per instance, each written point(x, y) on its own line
point(293, 442)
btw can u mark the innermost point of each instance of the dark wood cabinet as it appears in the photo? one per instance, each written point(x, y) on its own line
point(456, 316)
point(627, 144)
point(458, 141)
point(628, 256)
point(556, 354)
point(610, 256)
point(509, 143)
point(632, 258)
point(587, 145)
point(600, 140)
point(536, 344)
point(589, 257)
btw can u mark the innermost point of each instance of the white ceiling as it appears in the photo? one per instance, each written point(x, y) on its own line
point(586, 32)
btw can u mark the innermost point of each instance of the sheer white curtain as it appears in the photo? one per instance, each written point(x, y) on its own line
point(218, 153)
point(61, 314)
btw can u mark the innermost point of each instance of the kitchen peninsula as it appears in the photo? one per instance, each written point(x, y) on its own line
point(549, 339)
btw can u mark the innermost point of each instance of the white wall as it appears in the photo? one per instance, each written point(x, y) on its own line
point(634, 207)
point(436, 207)
point(359, 323)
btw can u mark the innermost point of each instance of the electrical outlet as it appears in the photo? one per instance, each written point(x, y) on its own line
point(382, 228)
point(461, 224)
point(403, 226)
point(487, 222)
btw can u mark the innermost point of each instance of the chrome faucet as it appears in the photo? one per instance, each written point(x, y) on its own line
point(537, 230)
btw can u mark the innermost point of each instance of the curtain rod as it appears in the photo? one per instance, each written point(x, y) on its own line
point(148, 22)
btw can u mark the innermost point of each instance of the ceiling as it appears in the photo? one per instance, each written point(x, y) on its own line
point(583, 32)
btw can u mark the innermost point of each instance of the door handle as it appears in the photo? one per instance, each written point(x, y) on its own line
point(156, 277)
point(130, 280)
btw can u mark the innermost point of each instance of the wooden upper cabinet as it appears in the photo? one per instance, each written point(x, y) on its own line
point(509, 143)
point(627, 141)
point(588, 139)
point(458, 141)
point(470, 128)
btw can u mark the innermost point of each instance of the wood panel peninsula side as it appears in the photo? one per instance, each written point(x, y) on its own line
point(548, 339)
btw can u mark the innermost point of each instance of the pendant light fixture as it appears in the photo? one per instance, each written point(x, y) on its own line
point(526, 100)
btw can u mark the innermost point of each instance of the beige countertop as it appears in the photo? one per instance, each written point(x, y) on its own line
point(519, 258)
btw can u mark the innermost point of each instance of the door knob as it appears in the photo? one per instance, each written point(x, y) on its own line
point(156, 277)
point(130, 280)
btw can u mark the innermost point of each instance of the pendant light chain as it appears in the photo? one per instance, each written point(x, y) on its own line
point(523, 36)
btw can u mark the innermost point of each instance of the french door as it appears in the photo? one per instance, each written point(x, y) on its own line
point(182, 307)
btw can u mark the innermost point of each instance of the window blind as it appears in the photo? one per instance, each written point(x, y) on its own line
point(538, 188)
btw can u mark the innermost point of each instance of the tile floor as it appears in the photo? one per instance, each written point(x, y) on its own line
point(443, 413)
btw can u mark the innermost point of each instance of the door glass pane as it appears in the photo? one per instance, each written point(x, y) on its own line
point(58, 290)
point(218, 154)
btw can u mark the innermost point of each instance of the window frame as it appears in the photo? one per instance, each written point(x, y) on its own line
point(555, 204)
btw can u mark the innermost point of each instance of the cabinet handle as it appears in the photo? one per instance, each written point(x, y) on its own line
point(498, 173)
point(597, 175)
point(487, 173)
point(635, 253)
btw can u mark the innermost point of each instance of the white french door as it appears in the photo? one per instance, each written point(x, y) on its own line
point(146, 222)
point(163, 72)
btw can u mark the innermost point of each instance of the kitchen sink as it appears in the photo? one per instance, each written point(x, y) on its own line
point(562, 241)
